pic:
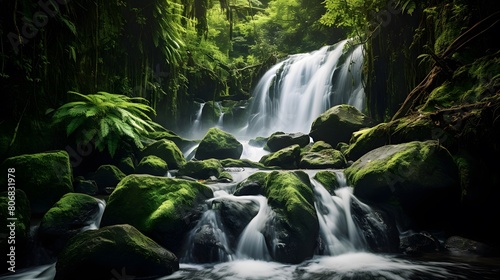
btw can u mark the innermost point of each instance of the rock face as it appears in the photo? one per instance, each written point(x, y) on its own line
point(236, 215)
point(70, 215)
point(287, 158)
point(44, 177)
point(113, 252)
point(167, 151)
point(338, 123)
point(280, 140)
point(201, 169)
point(152, 165)
point(421, 176)
point(291, 235)
point(219, 144)
point(164, 209)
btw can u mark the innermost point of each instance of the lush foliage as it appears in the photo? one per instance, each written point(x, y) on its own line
point(106, 120)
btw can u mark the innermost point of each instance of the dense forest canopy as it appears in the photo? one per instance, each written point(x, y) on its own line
point(171, 52)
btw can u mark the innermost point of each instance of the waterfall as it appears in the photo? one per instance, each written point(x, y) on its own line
point(293, 93)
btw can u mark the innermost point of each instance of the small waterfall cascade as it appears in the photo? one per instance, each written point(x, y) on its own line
point(293, 93)
point(252, 244)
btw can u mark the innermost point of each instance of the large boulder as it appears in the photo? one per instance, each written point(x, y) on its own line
point(291, 235)
point(167, 151)
point(420, 176)
point(44, 177)
point(164, 209)
point(114, 252)
point(329, 180)
point(201, 169)
point(287, 158)
point(338, 123)
point(280, 140)
point(14, 204)
point(73, 213)
point(152, 165)
point(219, 144)
point(236, 215)
point(253, 185)
point(414, 128)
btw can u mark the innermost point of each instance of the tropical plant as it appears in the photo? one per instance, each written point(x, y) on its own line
point(106, 120)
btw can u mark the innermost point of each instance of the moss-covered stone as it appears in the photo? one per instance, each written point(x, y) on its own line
point(253, 185)
point(219, 144)
point(86, 187)
point(44, 177)
point(181, 142)
point(20, 233)
point(113, 251)
point(164, 209)
point(229, 162)
point(327, 158)
point(201, 169)
point(70, 215)
point(167, 151)
point(107, 177)
point(338, 123)
point(152, 165)
point(421, 176)
point(296, 227)
point(287, 158)
point(280, 140)
point(328, 179)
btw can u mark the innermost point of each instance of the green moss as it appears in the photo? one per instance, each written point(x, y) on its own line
point(286, 158)
point(126, 165)
point(328, 158)
point(328, 179)
point(69, 209)
point(229, 162)
point(154, 204)
point(219, 144)
point(152, 165)
point(201, 169)
point(44, 177)
point(167, 151)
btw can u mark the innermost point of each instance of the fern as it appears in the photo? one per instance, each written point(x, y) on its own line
point(108, 120)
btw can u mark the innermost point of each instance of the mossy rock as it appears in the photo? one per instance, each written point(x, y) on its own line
point(338, 123)
point(201, 169)
point(219, 144)
point(44, 177)
point(421, 177)
point(280, 140)
point(167, 151)
point(152, 165)
point(295, 227)
point(73, 213)
point(22, 214)
point(328, 158)
point(181, 142)
point(112, 251)
point(287, 158)
point(164, 209)
point(408, 129)
point(107, 177)
point(229, 162)
point(86, 187)
point(328, 179)
point(253, 185)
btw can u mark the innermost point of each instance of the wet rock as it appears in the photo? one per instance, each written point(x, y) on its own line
point(338, 123)
point(164, 209)
point(201, 169)
point(253, 185)
point(419, 243)
point(107, 177)
point(166, 150)
point(152, 165)
point(219, 144)
point(112, 252)
point(463, 246)
point(421, 177)
point(287, 158)
point(236, 215)
point(280, 140)
point(73, 213)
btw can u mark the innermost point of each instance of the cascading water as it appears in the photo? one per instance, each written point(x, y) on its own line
point(296, 91)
